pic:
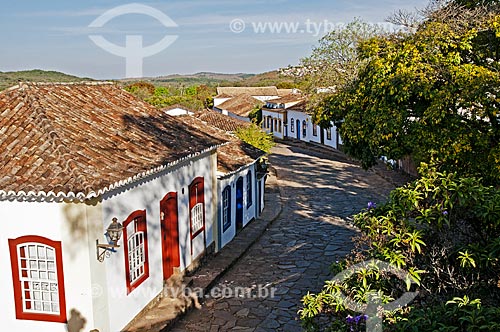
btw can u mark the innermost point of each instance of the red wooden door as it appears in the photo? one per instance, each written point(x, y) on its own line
point(169, 234)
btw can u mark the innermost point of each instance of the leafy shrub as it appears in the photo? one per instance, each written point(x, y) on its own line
point(445, 232)
point(256, 137)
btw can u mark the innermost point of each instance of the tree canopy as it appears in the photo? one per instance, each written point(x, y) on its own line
point(433, 94)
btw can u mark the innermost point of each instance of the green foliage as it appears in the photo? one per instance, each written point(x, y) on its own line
point(334, 63)
point(445, 232)
point(255, 136)
point(141, 89)
point(256, 114)
point(457, 315)
point(431, 94)
point(193, 97)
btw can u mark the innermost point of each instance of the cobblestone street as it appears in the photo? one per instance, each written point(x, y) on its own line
point(319, 191)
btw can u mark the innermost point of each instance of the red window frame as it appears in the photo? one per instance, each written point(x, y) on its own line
point(18, 298)
point(197, 185)
point(141, 226)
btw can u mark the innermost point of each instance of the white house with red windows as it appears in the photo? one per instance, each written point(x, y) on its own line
point(76, 159)
point(241, 176)
point(287, 118)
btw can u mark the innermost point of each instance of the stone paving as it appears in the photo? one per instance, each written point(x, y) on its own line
point(320, 192)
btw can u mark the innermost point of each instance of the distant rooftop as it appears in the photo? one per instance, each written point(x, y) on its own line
point(251, 91)
point(290, 98)
point(240, 105)
point(223, 122)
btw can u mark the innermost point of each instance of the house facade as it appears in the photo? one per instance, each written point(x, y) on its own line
point(76, 159)
point(240, 186)
point(240, 176)
point(287, 118)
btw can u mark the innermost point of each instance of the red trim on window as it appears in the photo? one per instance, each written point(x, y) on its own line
point(141, 226)
point(198, 185)
point(18, 299)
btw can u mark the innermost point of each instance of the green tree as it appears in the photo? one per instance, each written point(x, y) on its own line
point(255, 136)
point(256, 114)
point(431, 94)
point(141, 89)
point(334, 63)
point(205, 94)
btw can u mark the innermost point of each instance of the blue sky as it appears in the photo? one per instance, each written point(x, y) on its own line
point(54, 35)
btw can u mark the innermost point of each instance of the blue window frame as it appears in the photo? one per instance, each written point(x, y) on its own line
point(249, 189)
point(292, 126)
point(226, 208)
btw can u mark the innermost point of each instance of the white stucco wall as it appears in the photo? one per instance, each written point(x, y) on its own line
point(265, 98)
point(218, 101)
point(275, 115)
point(242, 118)
point(249, 212)
point(178, 112)
point(62, 222)
point(296, 115)
point(122, 307)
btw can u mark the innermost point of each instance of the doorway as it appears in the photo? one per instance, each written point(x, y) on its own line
point(169, 222)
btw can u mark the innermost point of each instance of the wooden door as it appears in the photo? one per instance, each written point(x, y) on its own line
point(169, 234)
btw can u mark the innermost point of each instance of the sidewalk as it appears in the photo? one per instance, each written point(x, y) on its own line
point(162, 315)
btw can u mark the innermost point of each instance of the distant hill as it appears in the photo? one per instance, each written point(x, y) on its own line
point(218, 79)
point(9, 79)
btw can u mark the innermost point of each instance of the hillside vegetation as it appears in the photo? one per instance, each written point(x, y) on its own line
point(218, 79)
point(8, 79)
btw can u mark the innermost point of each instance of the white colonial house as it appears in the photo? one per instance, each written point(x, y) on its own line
point(83, 164)
point(287, 118)
point(240, 178)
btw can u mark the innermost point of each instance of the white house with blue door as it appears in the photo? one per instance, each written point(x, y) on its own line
point(241, 193)
point(240, 178)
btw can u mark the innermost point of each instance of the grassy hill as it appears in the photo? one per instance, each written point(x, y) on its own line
point(9, 79)
point(217, 79)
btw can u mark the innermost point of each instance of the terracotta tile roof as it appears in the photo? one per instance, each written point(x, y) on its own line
point(251, 91)
point(290, 98)
point(223, 95)
point(218, 120)
point(301, 106)
point(77, 141)
point(230, 157)
point(241, 105)
point(235, 155)
point(284, 92)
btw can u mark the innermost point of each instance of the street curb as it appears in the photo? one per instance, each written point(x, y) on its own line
point(256, 228)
